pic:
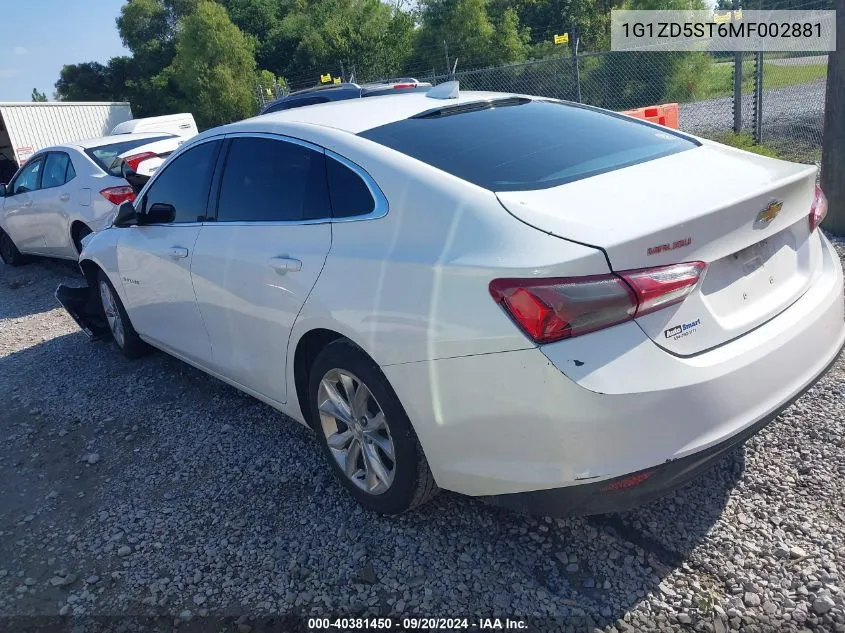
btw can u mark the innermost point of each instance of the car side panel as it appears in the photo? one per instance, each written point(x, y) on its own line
point(413, 285)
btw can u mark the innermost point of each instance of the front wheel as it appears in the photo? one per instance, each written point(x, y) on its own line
point(124, 335)
point(365, 432)
point(9, 253)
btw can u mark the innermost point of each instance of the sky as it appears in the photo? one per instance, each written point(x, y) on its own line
point(38, 37)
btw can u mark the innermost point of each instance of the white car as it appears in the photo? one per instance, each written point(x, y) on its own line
point(542, 304)
point(65, 192)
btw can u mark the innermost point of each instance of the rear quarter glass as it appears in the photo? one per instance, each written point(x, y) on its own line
point(528, 145)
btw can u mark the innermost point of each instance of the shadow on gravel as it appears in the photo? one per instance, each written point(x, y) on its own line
point(194, 480)
point(29, 289)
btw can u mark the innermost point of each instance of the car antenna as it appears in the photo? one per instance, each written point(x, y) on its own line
point(446, 90)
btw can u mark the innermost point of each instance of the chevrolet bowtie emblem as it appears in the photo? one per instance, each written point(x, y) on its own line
point(770, 212)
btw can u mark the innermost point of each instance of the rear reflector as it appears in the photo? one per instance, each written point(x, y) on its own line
point(556, 308)
point(137, 159)
point(118, 195)
point(818, 210)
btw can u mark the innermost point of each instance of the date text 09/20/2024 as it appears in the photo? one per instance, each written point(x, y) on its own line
point(407, 624)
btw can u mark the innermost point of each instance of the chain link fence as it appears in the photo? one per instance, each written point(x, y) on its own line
point(773, 100)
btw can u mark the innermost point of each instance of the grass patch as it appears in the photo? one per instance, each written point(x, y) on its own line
point(746, 141)
point(720, 79)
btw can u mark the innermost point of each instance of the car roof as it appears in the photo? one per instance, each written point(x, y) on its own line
point(89, 143)
point(358, 115)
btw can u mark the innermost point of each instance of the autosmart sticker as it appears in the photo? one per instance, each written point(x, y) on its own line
point(684, 329)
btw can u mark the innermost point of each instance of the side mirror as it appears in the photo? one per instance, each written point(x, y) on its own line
point(2, 189)
point(126, 215)
point(160, 213)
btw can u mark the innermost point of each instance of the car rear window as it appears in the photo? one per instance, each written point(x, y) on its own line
point(517, 144)
point(104, 155)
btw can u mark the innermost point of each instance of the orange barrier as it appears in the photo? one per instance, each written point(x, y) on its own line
point(666, 114)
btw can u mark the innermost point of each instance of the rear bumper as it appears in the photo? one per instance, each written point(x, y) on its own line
point(586, 412)
point(626, 492)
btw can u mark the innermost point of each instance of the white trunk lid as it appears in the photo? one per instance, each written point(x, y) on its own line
point(698, 205)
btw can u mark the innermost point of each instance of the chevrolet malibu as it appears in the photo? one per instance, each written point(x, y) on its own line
point(548, 306)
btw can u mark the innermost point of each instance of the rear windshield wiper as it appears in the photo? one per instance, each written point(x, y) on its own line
point(472, 106)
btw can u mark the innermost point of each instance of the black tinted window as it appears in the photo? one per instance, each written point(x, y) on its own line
point(105, 155)
point(523, 145)
point(268, 180)
point(55, 170)
point(185, 182)
point(349, 194)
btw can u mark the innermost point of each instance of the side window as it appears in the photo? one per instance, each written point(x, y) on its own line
point(55, 170)
point(70, 174)
point(185, 183)
point(28, 177)
point(350, 196)
point(267, 180)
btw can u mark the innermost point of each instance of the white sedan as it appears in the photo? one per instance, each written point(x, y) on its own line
point(541, 304)
point(65, 192)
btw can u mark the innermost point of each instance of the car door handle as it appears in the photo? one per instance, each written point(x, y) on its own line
point(64, 197)
point(284, 265)
point(177, 252)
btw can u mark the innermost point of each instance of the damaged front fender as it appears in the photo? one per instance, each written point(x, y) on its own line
point(84, 306)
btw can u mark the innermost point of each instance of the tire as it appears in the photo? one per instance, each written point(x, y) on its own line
point(400, 484)
point(124, 335)
point(78, 234)
point(9, 253)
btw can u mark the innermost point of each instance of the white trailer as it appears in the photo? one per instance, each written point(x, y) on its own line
point(26, 127)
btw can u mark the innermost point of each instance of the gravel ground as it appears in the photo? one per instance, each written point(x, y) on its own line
point(148, 488)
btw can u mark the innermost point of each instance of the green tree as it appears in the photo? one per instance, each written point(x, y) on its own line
point(38, 96)
point(318, 36)
point(214, 66)
point(473, 35)
point(88, 81)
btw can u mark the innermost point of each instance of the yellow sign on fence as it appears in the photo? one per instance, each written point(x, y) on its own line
point(337, 80)
point(326, 79)
point(562, 39)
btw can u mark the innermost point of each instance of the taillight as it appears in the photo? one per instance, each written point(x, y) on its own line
point(556, 308)
point(118, 195)
point(137, 159)
point(660, 287)
point(411, 85)
point(818, 210)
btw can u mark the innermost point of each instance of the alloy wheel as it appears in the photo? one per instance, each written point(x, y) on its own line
point(112, 314)
point(356, 431)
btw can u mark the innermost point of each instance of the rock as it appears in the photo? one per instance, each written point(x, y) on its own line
point(91, 458)
point(572, 567)
point(823, 604)
point(199, 599)
point(562, 557)
point(781, 551)
point(244, 628)
point(797, 552)
point(65, 609)
point(93, 579)
point(751, 599)
point(62, 581)
point(29, 582)
point(770, 607)
point(684, 618)
point(186, 614)
point(368, 574)
point(124, 550)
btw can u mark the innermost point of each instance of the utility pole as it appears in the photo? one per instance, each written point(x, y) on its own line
point(833, 150)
